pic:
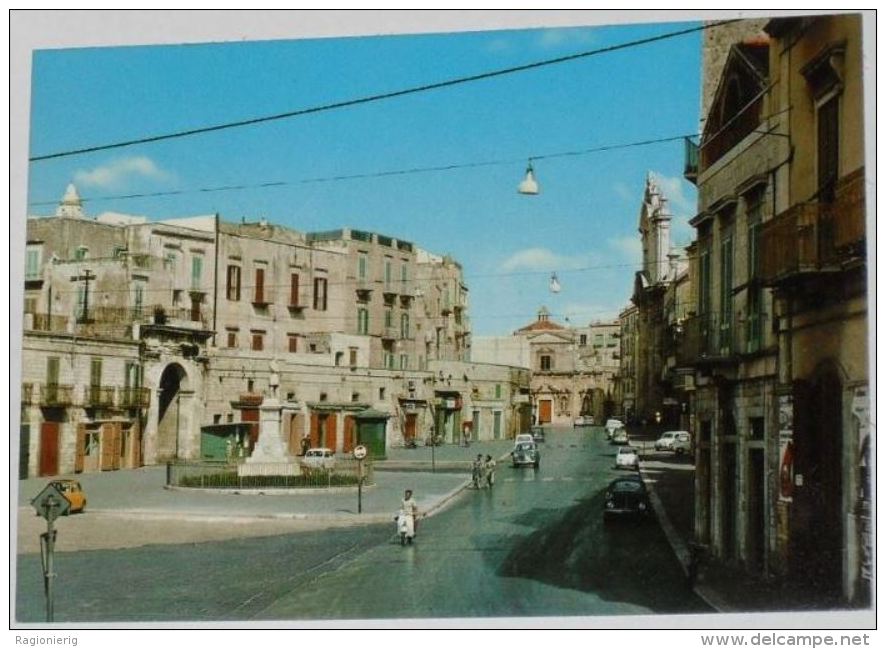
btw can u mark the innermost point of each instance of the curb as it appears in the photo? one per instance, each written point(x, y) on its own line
point(240, 519)
point(681, 551)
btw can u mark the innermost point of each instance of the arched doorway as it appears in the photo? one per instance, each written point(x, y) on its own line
point(169, 420)
point(817, 521)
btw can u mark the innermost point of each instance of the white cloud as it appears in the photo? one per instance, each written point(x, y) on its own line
point(543, 259)
point(628, 246)
point(116, 173)
point(673, 189)
point(550, 38)
point(623, 191)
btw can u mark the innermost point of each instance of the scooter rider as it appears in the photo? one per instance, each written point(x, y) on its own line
point(409, 508)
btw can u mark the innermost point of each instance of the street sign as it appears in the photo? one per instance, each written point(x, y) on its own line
point(360, 452)
point(51, 503)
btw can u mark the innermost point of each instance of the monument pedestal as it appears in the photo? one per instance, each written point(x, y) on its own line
point(271, 454)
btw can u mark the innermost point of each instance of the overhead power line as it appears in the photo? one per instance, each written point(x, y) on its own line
point(375, 174)
point(378, 97)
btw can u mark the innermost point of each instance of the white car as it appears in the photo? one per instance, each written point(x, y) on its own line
point(666, 441)
point(523, 438)
point(682, 443)
point(627, 458)
point(319, 458)
point(612, 425)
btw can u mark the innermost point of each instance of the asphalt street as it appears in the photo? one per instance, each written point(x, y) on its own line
point(535, 545)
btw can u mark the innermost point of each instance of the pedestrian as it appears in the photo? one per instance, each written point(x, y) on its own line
point(490, 471)
point(410, 509)
point(477, 472)
point(305, 445)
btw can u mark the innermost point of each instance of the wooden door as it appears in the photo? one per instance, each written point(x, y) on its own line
point(49, 448)
point(348, 443)
point(315, 429)
point(331, 431)
point(106, 442)
point(250, 416)
point(544, 412)
point(80, 448)
point(409, 431)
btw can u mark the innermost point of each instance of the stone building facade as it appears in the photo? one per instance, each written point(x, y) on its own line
point(777, 340)
point(814, 258)
point(212, 317)
point(573, 369)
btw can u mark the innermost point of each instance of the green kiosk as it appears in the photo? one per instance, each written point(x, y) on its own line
point(371, 425)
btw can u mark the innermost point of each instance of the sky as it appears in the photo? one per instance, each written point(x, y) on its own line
point(582, 226)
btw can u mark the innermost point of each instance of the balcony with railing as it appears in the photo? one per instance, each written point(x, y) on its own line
point(135, 397)
point(705, 339)
point(390, 333)
point(811, 238)
point(690, 160)
point(56, 395)
point(734, 131)
point(45, 322)
point(98, 396)
point(27, 393)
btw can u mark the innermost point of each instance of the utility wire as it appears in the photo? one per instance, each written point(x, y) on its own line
point(378, 174)
point(378, 97)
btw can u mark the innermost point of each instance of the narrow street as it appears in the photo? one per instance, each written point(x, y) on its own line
point(535, 545)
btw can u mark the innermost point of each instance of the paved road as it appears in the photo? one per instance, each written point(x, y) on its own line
point(535, 545)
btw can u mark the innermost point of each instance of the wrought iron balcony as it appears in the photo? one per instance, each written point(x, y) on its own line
point(690, 160)
point(54, 395)
point(135, 397)
point(705, 339)
point(811, 238)
point(98, 396)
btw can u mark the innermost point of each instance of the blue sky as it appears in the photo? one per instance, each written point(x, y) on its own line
point(582, 226)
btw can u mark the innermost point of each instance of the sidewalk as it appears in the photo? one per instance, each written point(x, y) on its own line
point(133, 504)
point(729, 589)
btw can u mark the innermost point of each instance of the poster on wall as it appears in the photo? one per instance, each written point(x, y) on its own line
point(786, 447)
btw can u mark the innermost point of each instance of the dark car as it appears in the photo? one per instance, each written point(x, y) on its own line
point(626, 497)
point(525, 454)
point(538, 434)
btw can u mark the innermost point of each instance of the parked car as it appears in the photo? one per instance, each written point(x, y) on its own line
point(627, 458)
point(538, 434)
point(583, 420)
point(626, 496)
point(682, 443)
point(666, 441)
point(525, 454)
point(73, 493)
point(620, 436)
point(523, 438)
point(319, 458)
point(613, 425)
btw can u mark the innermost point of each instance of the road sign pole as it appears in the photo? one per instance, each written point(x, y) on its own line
point(50, 570)
point(360, 487)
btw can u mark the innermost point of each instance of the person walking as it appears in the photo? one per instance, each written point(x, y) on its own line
point(490, 471)
point(477, 473)
point(409, 508)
